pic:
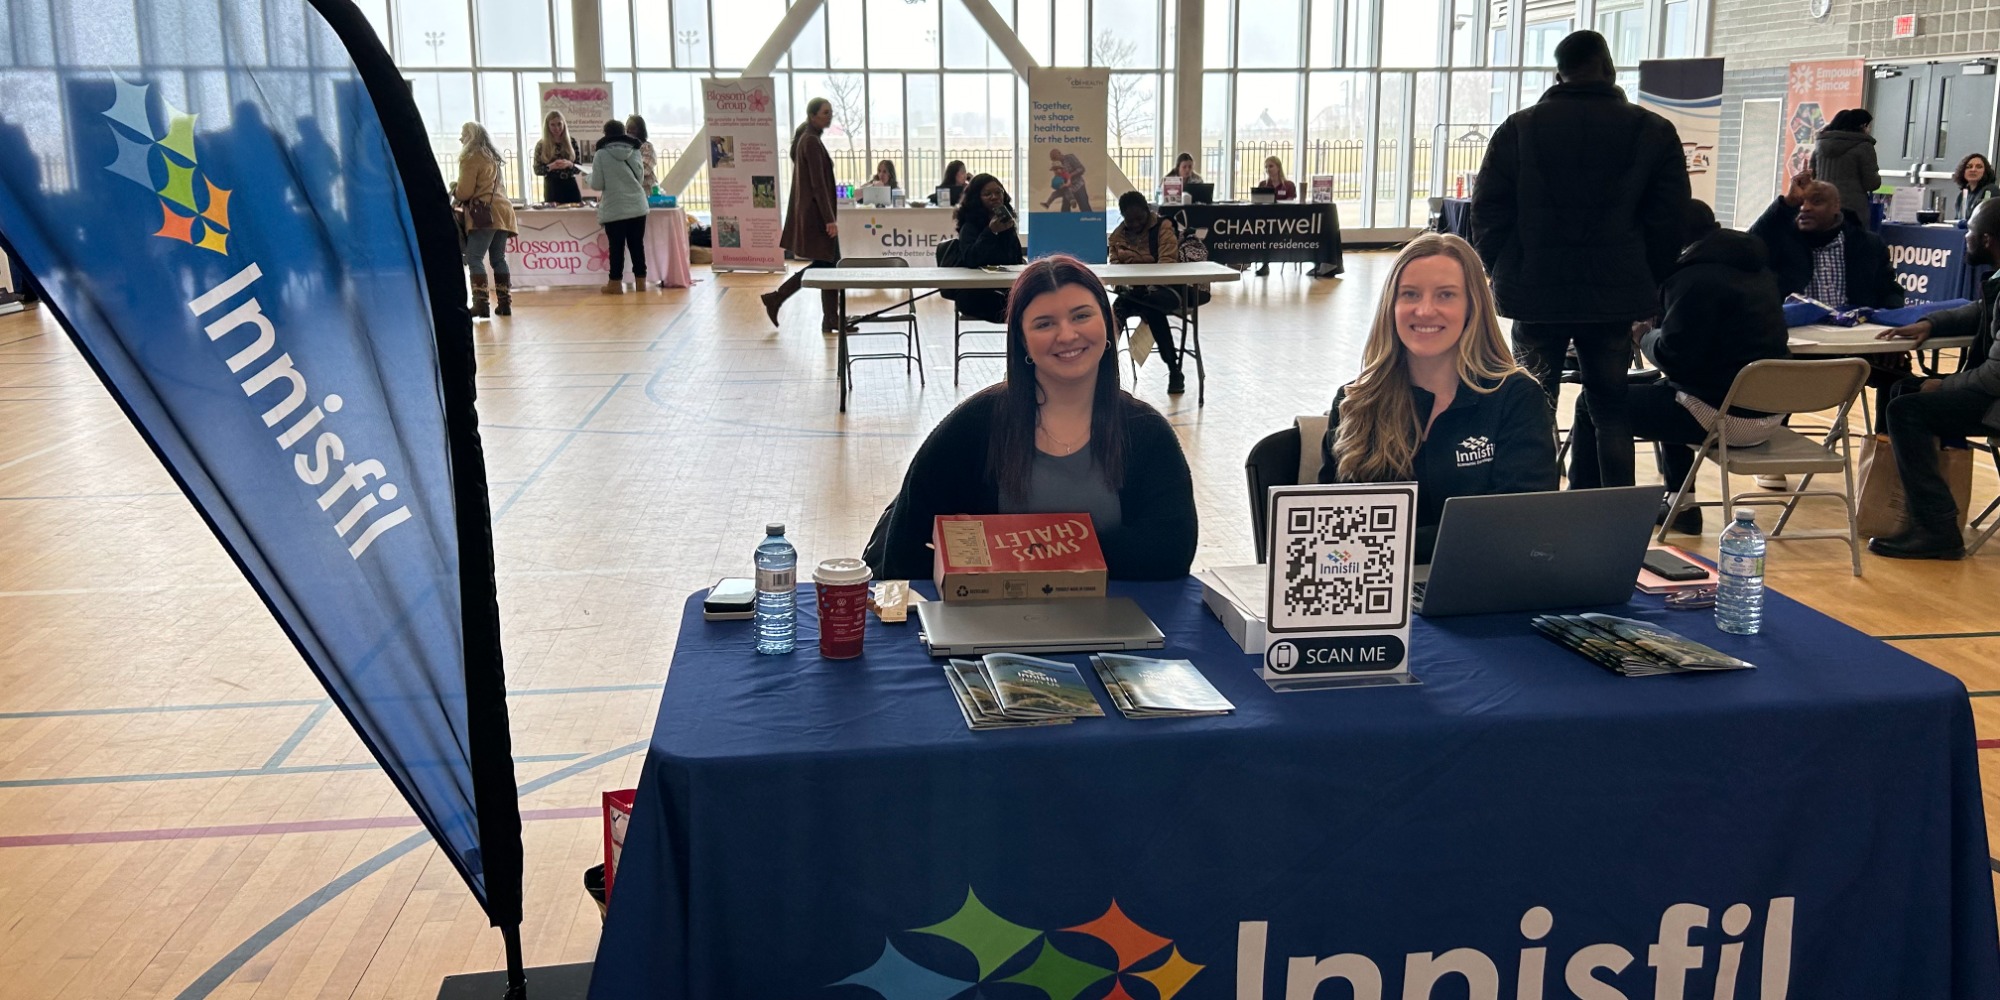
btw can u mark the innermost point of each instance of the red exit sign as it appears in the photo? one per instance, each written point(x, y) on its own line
point(1906, 26)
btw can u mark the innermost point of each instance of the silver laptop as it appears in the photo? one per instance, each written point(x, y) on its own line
point(1537, 551)
point(1071, 625)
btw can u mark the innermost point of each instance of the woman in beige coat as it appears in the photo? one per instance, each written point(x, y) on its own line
point(481, 194)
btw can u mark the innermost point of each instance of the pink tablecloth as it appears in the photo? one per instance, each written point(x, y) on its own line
point(667, 244)
point(566, 246)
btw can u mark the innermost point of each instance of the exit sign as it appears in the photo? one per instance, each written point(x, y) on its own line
point(1906, 26)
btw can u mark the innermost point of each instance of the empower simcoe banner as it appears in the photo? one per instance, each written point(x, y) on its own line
point(246, 236)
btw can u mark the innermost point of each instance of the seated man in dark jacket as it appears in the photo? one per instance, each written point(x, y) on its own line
point(1719, 312)
point(1924, 411)
point(1817, 249)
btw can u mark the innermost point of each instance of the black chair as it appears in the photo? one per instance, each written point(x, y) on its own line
point(1273, 461)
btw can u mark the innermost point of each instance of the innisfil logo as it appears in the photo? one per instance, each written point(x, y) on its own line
point(196, 218)
point(1475, 450)
point(998, 945)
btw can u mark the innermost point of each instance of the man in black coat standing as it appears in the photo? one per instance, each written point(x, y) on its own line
point(1577, 215)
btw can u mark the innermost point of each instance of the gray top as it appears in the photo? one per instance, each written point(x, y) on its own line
point(1071, 484)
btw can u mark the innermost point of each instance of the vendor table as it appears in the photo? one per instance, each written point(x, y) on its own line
point(1811, 828)
point(566, 246)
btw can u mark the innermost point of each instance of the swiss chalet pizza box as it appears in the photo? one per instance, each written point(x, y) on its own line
point(1002, 557)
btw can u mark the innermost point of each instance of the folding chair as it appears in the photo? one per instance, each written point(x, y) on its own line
point(960, 330)
point(902, 324)
point(1992, 448)
point(1785, 387)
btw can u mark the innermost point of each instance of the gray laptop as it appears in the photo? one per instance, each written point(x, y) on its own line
point(1537, 551)
point(1071, 625)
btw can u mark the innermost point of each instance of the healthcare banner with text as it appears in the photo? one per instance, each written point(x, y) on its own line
point(263, 272)
point(1815, 91)
point(1688, 92)
point(742, 119)
point(1065, 188)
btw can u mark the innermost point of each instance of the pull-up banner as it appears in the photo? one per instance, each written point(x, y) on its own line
point(253, 249)
point(1064, 189)
point(1688, 93)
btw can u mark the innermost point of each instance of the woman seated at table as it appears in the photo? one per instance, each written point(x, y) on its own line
point(986, 238)
point(1184, 169)
point(885, 175)
point(951, 190)
point(1440, 400)
point(1057, 436)
point(1975, 184)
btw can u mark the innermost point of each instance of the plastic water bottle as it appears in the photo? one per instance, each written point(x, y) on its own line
point(777, 591)
point(1739, 598)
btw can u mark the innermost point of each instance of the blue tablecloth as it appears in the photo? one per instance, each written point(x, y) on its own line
point(1455, 217)
point(807, 828)
point(1930, 262)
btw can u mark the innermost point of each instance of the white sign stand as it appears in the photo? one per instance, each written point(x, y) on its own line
point(1337, 613)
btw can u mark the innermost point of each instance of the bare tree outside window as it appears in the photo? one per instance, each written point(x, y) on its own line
point(1128, 108)
point(849, 95)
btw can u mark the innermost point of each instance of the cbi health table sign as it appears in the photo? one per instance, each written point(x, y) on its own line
point(910, 233)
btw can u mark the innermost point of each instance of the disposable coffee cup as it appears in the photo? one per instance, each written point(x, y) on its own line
point(842, 586)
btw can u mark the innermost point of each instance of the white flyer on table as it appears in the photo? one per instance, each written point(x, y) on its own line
point(1340, 562)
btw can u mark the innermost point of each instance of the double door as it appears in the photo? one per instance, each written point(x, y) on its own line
point(1928, 116)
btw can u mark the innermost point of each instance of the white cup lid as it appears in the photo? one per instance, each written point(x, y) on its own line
point(842, 571)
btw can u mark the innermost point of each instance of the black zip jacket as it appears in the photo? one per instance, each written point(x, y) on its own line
point(1719, 312)
point(1578, 205)
point(1502, 441)
point(1871, 281)
point(949, 475)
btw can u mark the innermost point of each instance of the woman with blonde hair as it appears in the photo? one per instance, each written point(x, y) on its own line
point(481, 194)
point(556, 154)
point(1440, 400)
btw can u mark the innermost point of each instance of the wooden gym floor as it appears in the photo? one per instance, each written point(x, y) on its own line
point(181, 817)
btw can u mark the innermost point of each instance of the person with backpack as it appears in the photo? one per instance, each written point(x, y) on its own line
point(1146, 238)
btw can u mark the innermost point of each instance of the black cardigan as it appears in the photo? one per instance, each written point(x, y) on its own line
point(949, 475)
point(1502, 441)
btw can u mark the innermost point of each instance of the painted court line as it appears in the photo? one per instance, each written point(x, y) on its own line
point(1938, 635)
point(241, 955)
point(241, 772)
point(61, 713)
point(262, 829)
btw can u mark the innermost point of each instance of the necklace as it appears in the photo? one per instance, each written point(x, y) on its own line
point(1067, 448)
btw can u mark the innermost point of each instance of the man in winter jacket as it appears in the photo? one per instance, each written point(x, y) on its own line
point(1923, 411)
point(1577, 215)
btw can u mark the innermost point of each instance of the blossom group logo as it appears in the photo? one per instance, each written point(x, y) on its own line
point(1143, 965)
point(196, 217)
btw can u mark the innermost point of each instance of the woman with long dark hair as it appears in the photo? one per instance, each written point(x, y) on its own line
point(1057, 436)
point(954, 179)
point(885, 175)
point(810, 231)
point(1975, 181)
point(986, 238)
point(1440, 399)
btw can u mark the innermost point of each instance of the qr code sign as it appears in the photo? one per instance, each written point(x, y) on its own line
point(1339, 560)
